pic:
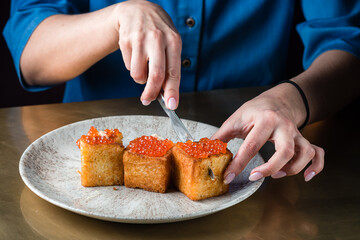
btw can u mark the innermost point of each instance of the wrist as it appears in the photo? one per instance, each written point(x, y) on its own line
point(299, 116)
point(291, 102)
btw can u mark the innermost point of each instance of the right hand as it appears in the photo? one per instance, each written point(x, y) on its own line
point(151, 49)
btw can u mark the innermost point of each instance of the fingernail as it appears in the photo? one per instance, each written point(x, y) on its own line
point(309, 176)
point(229, 178)
point(279, 174)
point(256, 176)
point(145, 102)
point(172, 103)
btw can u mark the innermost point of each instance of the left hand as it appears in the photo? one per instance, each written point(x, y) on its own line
point(272, 116)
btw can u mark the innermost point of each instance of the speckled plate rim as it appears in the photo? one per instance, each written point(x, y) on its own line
point(158, 219)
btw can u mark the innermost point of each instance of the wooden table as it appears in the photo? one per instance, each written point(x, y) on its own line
point(327, 207)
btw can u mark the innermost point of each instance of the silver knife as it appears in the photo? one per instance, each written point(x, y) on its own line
point(180, 129)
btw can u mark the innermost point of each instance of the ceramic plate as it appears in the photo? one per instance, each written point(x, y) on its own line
point(49, 168)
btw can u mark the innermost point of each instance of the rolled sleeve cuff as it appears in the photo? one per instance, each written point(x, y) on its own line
point(320, 36)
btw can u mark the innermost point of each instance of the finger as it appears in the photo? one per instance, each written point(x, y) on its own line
point(126, 55)
point(256, 138)
point(284, 146)
point(125, 48)
point(173, 70)
point(225, 133)
point(156, 75)
point(138, 67)
point(229, 129)
point(317, 164)
point(304, 153)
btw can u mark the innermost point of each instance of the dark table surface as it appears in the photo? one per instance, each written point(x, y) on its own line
point(327, 207)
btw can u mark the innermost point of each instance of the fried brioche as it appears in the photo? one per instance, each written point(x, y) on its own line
point(147, 164)
point(101, 158)
point(198, 168)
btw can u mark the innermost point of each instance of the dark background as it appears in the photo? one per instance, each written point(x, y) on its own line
point(11, 93)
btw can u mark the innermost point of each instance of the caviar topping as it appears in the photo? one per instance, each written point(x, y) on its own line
point(103, 137)
point(204, 148)
point(150, 146)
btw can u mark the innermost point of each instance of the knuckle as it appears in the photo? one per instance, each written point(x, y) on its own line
point(127, 65)
point(288, 125)
point(157, 75)
point(251, 148)
point(287, 152)
point(173, 73)
point(150, 95)
point(238, 165)
point(321, 152)
point(319, 159)
point(172, 91)
point(124, 42)
point(138, 38)
point(140, 81)
point(310, 152)
point(321, 165)
point(229, 126)
point(270, 117)
point(156, 34)
point(174, 39)
point(138, 76)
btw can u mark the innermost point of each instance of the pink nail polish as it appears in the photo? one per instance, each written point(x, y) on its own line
point(172, 103)
point(145, 102)
point(229, 178)
point(256, 176)
point(309, 176)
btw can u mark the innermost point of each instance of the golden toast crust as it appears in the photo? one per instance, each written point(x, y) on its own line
point(149, 173)
point(101, 164)
point(191, 176)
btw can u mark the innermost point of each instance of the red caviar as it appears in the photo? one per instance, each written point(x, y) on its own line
point(204, 148)
point(94, 137)
point(150, 146)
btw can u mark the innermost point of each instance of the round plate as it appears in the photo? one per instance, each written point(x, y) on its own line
point(49, 168)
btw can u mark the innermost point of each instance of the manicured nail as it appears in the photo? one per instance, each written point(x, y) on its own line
point(309, 176)
point(279, 174)
point(256, 176)
point(145, 102)
point(229, 178)
point(172, 103)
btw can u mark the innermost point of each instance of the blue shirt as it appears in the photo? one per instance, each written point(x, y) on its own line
point(232, 43)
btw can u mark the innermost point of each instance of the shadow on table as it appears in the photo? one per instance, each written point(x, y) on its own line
point(271, 213)
point(53, 222)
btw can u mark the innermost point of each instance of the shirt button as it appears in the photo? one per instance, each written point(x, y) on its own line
point(186, 62)
point(190, 22)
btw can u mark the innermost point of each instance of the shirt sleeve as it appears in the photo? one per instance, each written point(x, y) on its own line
point(329, 25)
point(25, 16)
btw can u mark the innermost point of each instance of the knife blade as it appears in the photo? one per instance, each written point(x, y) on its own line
point(178, 126)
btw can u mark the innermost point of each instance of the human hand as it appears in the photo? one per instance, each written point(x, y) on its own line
point(271, 117)
point(151, 49)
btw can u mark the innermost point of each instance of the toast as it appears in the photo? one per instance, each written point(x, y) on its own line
point(101, 158)
point(198, 168)
point(147, 164)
